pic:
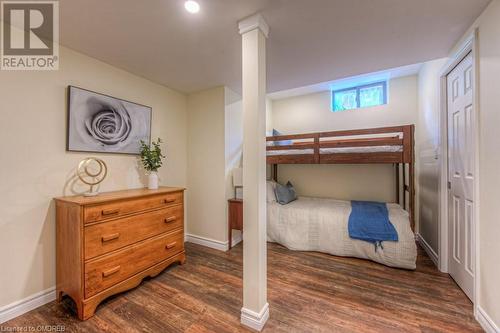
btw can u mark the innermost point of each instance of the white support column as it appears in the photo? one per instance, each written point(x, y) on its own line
point(255, 311)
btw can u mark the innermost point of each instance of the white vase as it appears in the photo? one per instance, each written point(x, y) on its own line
point(153, 180)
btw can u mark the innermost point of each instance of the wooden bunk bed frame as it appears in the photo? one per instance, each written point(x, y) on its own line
point(315, 142)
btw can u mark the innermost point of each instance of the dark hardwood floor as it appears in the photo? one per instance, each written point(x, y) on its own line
point(307, 292)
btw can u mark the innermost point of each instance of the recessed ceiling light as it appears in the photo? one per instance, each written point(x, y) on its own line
point(192, 6)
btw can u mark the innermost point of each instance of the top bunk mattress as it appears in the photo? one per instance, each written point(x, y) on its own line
point(345, 150)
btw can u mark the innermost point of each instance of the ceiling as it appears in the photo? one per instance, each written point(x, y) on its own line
point(310, 41)
point(348, 82)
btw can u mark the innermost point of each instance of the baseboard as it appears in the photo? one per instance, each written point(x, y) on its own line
point(486, 322)
point(34, 301)
point(211, 243)
point(253, 319)
point(428, 249)
point(237, 239)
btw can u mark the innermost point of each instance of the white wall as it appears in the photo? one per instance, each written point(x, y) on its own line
point(489, 152)
point(428, 159)
point(312, 113)
point(214, 149)
point(269, 115)
point(234, 136)
point(269, 129)
point(489, 157)
point(35, 166)
point(234, 141)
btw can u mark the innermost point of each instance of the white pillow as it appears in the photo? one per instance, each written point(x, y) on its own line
point(271, 185)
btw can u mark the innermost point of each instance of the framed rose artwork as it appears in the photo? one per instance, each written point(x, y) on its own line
point(103, 124)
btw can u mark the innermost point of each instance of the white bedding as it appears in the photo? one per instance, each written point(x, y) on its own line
point(374, 149)
point(290, 152)
point(315, 224)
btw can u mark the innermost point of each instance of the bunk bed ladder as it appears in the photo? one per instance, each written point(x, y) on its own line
point(408, 185)
point(274, 172)
point(412, 177)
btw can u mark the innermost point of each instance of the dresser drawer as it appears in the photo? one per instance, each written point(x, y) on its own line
point(114, 209)
point(104, 237)
point(111, 269)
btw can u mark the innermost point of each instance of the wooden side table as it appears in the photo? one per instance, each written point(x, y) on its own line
point(235, 218)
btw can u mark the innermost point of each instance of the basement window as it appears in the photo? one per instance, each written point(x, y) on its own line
point(360, 96)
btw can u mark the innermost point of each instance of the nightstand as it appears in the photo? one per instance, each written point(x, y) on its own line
point(235, 218)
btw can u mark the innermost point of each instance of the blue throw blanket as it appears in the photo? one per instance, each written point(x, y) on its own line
point(369, 221)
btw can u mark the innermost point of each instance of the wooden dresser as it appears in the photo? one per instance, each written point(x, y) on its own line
point(109, 243)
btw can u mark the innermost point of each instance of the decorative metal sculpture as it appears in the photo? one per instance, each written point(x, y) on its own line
point(92, 172)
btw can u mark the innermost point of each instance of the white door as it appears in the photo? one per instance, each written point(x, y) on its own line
point(461, 150)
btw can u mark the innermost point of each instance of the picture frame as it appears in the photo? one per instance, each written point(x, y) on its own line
point(100, 123)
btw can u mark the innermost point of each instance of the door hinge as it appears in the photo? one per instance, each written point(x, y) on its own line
point(449, 185)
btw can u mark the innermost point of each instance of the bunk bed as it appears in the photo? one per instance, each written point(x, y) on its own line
point(302, 219)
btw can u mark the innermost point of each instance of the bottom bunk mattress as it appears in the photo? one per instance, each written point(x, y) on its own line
point(320, 224)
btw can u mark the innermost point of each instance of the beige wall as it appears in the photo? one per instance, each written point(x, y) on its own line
point(427, 141)
point(214, 149)
point(312, 113)
point(489, 157)
point(206, 164)
point(35, 166)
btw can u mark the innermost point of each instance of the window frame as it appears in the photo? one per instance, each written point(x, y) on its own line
point(358, 101)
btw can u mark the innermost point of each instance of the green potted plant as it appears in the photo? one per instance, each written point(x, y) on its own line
point(151, 158)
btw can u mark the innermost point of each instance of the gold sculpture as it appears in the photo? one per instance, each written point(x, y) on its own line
point(92, 172)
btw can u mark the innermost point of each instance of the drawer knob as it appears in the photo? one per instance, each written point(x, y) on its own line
point(108, 238)
point(110, 212)
point(169, 200)
point(170, 219)
point(170, 246)
point(110, 271)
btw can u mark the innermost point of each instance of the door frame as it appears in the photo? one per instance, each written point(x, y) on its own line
point(469, 45)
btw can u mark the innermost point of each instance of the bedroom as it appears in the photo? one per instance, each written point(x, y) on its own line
point(230, 75)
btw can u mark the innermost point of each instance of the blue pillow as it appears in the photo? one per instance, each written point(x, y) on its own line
point(281, 143)
point(285, 194)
